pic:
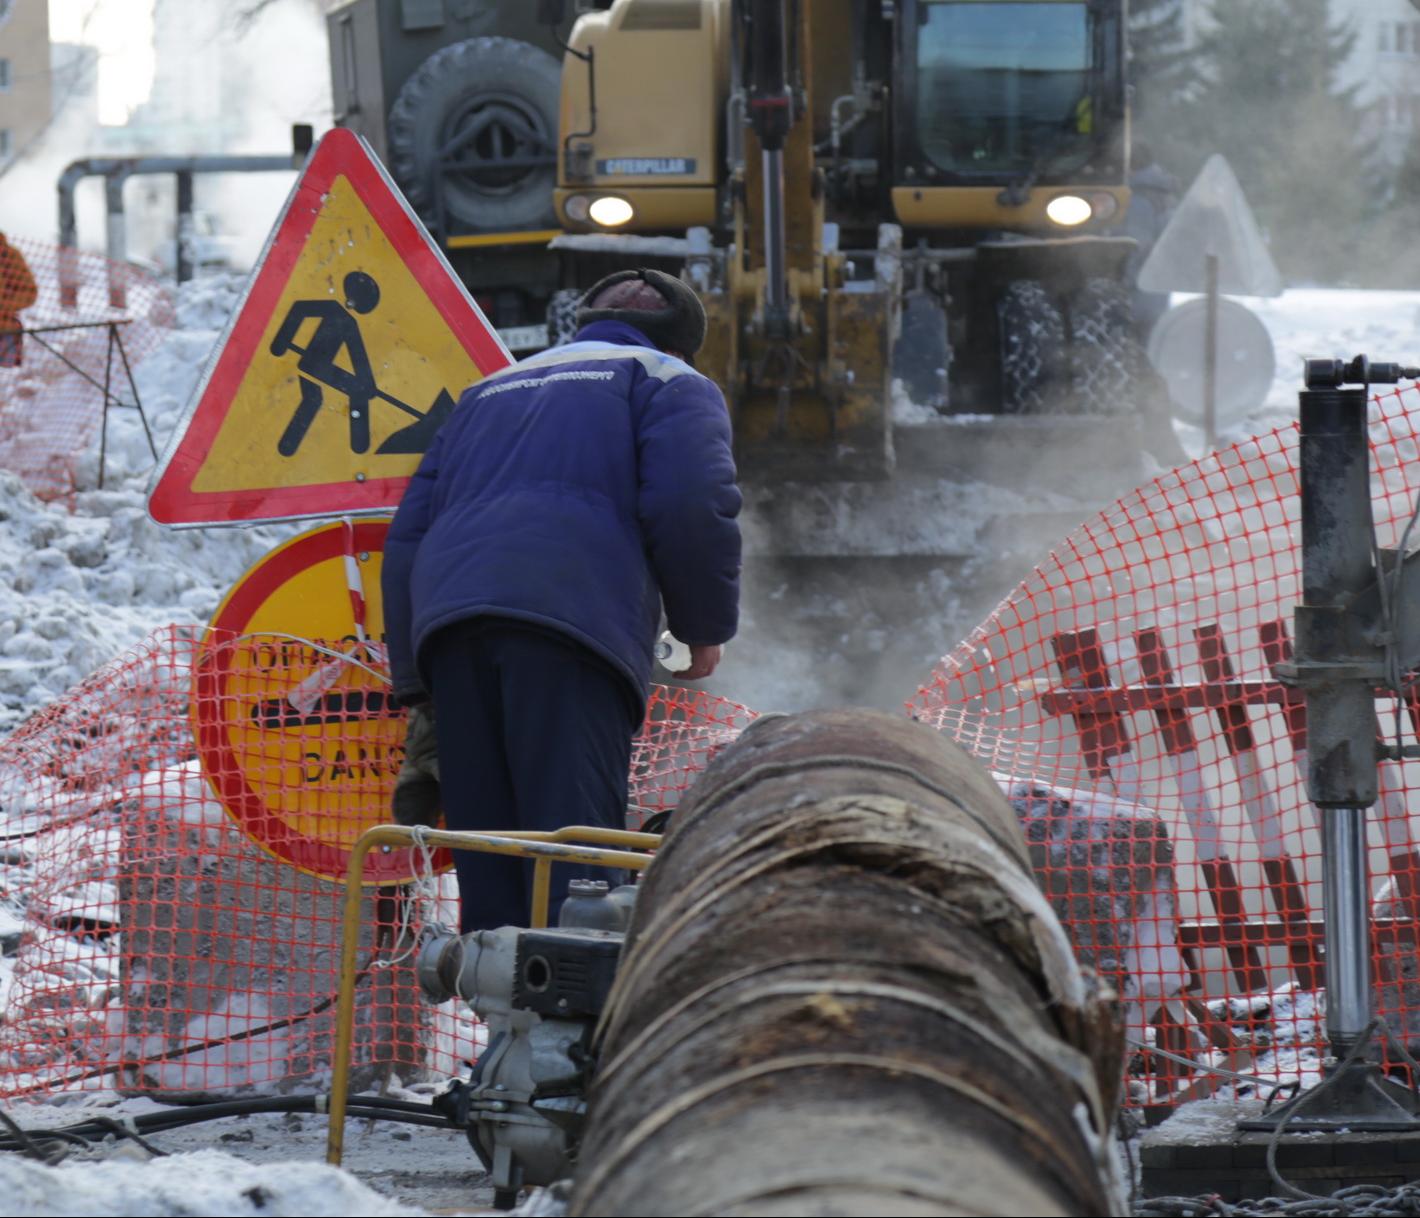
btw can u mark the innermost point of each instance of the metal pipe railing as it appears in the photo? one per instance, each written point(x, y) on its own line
point(116, 171)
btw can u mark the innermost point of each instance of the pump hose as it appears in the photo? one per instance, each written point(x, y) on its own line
point(842, 992)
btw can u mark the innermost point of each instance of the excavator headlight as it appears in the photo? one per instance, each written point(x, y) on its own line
point(1068, 210)
point(610, 211)
point(1103, 205)
point(577, 207)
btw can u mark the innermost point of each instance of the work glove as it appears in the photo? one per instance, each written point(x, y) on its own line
point(416, 790)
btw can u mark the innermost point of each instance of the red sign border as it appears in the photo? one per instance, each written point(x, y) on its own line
point(172, 500)
point(220, 764)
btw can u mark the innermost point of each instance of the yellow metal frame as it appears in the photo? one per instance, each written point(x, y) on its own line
point(474, 241)
point(583, 844)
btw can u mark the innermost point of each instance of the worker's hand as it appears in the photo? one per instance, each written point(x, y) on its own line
point(416, 790)
point(417, 802)
point(703, 661)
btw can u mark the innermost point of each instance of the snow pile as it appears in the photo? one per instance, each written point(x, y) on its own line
point(1327, 322)
point(200, 1182)
point(78, 588)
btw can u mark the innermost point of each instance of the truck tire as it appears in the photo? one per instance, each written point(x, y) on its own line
point(1107, 363)
point(923, 356)
point(1033, 356)
point(510, 92)
point(562, 316)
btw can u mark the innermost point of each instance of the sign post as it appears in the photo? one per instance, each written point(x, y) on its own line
point(1211, 245)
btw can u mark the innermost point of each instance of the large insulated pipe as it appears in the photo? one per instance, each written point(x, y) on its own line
point(842, 992)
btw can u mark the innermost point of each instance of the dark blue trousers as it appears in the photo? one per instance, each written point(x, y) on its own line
point(534, 733)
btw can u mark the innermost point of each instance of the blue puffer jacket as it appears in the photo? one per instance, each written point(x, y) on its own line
point(576, 490)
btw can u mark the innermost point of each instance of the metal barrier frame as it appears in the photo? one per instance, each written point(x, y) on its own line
point(594, 846)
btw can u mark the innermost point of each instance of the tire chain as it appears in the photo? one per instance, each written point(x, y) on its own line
point(1106, 360)
point(1032, 350)
point(562, 316)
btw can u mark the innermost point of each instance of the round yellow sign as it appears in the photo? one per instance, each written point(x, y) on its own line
point(294, 723)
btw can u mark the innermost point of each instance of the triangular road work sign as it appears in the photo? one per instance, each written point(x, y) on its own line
point(1214, 218)
point(347, 352)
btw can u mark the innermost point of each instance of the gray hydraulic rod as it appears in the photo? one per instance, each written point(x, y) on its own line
point(1342, 634)
point(116, 171)
point(766, 70)
point(775, 237)
point(1346, 898)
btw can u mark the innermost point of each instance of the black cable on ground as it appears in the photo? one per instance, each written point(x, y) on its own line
point(119, 1129)
point(1356, 1201)
point(86, 1133)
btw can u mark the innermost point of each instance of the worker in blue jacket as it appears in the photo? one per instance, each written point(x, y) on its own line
point(566, 502)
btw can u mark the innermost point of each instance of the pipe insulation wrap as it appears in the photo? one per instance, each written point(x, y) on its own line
point(843, 993)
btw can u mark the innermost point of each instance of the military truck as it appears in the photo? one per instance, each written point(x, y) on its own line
point(460, 98)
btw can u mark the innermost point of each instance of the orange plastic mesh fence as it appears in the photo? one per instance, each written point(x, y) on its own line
point(1123, 695)
point(155, 948)
point(51, 402)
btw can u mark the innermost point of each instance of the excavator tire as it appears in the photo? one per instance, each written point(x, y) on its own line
point(562, 316)
point(510, 91)
point(1107, 363)
point(1034, 367)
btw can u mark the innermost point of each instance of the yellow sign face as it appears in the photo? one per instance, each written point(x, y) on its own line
point(344, 367)
point(349, 352)
point(301, 745)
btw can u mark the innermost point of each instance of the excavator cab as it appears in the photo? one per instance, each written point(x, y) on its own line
point(1010, 95)
point(1010, 163)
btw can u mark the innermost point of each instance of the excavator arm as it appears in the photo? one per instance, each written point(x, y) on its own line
point(802, 349)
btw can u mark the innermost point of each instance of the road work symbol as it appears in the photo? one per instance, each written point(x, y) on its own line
point(340, 365)
point(338, 330)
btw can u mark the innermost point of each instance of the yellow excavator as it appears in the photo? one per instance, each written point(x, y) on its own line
point(862, 190)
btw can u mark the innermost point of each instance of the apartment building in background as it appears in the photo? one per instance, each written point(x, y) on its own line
point(26, 87)
point(1383, 67)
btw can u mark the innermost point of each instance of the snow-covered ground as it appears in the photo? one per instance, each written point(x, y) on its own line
point(255, 1164)
point(1333, 323)
point(78, 587)
point(197, 1182)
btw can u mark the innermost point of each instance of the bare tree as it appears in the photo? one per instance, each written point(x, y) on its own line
point(246, 14)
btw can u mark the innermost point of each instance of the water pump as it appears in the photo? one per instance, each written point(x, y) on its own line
point(540, 993)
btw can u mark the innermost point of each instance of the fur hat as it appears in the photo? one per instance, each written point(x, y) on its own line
point(665, 309)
